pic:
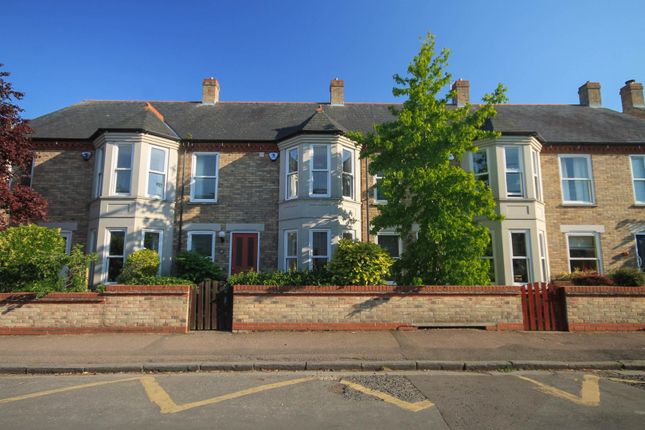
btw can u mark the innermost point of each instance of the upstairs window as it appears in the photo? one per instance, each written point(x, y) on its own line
point(98, 181)
point(514, 174)
point(348, 173)
point(575, 173)
point(320, 179)
point(203, 181)
point(480, 166)
point(537, 182)
point(157, 172)
point(123, 170)
point(638, 176)
point(292, 174)
point(379, 197)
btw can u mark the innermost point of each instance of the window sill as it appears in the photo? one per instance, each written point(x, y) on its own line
point(196, 202)
point(578, 205)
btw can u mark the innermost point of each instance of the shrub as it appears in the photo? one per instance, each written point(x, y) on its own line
point(282, 279)
point(140, 264)
point(628, 277)
point(359, 263)
point(77, 263)
point(161, 280)
point(31, 257)
point(590, 278)
point(195, 267)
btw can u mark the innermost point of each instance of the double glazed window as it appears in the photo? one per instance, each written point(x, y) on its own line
point(157, 172)
point(123, 170)
point(348, 173)
point(480, 166)
point(203, 181)
point(543, 261)
point(203, 243)
point(520, 256)
point(390, 243)
point(514, 175)
point(98, 181)
point(638, 176)
point(575, 171)
point(290, 250)
point(115, 254)
point(583, 253)
point(67, 237)
point(320, 178)
point(379, 197)
point(320, 249)
point(292, 174)
point(152, 241)
point(535, 159)
point(489, 257)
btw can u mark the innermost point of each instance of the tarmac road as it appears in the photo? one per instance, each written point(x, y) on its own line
point(278, 400)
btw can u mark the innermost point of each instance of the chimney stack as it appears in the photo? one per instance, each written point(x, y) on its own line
point(589, 94)
point(632, 97)
point(337, 92)
point(210, 91)
point(462, 92)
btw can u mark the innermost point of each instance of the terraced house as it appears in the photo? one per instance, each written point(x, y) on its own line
point(275, 186)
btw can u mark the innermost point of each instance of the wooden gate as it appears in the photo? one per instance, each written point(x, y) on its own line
point(543, 306)
point(211, 306)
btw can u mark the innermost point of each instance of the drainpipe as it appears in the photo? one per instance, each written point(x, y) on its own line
point(367, 198)
point(184, 150)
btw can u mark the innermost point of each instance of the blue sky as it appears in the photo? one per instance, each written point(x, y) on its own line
point(62, 52)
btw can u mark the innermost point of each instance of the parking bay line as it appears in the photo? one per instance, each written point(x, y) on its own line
point(410, 406)
point(589, 392)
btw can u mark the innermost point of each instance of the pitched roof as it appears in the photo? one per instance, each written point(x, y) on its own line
point(258, 121)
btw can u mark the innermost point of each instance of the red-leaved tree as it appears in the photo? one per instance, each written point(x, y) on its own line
point(19, 204)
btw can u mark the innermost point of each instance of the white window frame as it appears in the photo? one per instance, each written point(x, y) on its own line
point(311, 246)
point(108, 256)
point(375, 189)
point(598, 258)
point(143, 241)
point(528, 257)
point(399, 242)
point(352, 233)
point(635, 179)
point(189, 243)
point(193, 177)
point(288, 257)
point(116, 169)
point(544, 256)
point(537, 174)
point(98, 177)
point(592, 194)
point(68, 240)
point(289, 173)
point(312, 170)
point(478, 176)
point(352, 173)
point(490, 257)
point(164, 173)
point(520, 171)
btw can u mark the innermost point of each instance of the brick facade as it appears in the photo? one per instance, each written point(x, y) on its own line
point(65, 180)
point(141, 308)
point(614, 209)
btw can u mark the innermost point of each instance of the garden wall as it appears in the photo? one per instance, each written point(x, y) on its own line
point(121, 308)
point(605, 308)
point(257, 307)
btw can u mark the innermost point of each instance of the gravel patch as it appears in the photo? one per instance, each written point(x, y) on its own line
point(397, 386)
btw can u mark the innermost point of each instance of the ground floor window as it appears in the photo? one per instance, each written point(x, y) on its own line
point(152, 239)
point(290, 250)
point(583, 253)
point(115, 254)
point(320, 248)
point(67, 236)
point(202, 242)
point(349, 235)
point(640, 251)
point(543, 260)
point(520, 248)
point(489, 256)
point(391, 242)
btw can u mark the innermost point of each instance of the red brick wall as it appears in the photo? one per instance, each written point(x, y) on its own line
point(605, 308)
point(121, 308)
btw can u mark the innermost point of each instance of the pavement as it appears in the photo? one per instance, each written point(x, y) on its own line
point(443, 349)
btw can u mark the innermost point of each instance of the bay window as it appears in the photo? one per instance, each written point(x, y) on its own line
point(292, 174)
point(157, 172)
point(291, 250)
point(480, 166)
point(514, 171)
point(123, 169)
point(115, 253)
point(319, 246)
point(348, 173)
point(520, 257)
point(98, 180)
point(320, 178)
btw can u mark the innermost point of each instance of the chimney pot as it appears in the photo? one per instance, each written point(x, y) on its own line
point(337, 92)
point(210, 91)
point(589, 94)
point(631, 96)
point(461, 87)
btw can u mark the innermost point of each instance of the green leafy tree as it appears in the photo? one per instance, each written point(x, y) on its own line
point(418, 156)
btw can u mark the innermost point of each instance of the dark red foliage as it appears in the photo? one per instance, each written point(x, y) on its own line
point(591, 278)
point(19, 204)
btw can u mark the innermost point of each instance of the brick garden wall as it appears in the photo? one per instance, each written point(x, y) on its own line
point(605, 308)
point(375, 307)
point(121, 308)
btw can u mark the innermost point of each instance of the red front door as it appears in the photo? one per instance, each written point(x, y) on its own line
point(244, 255)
